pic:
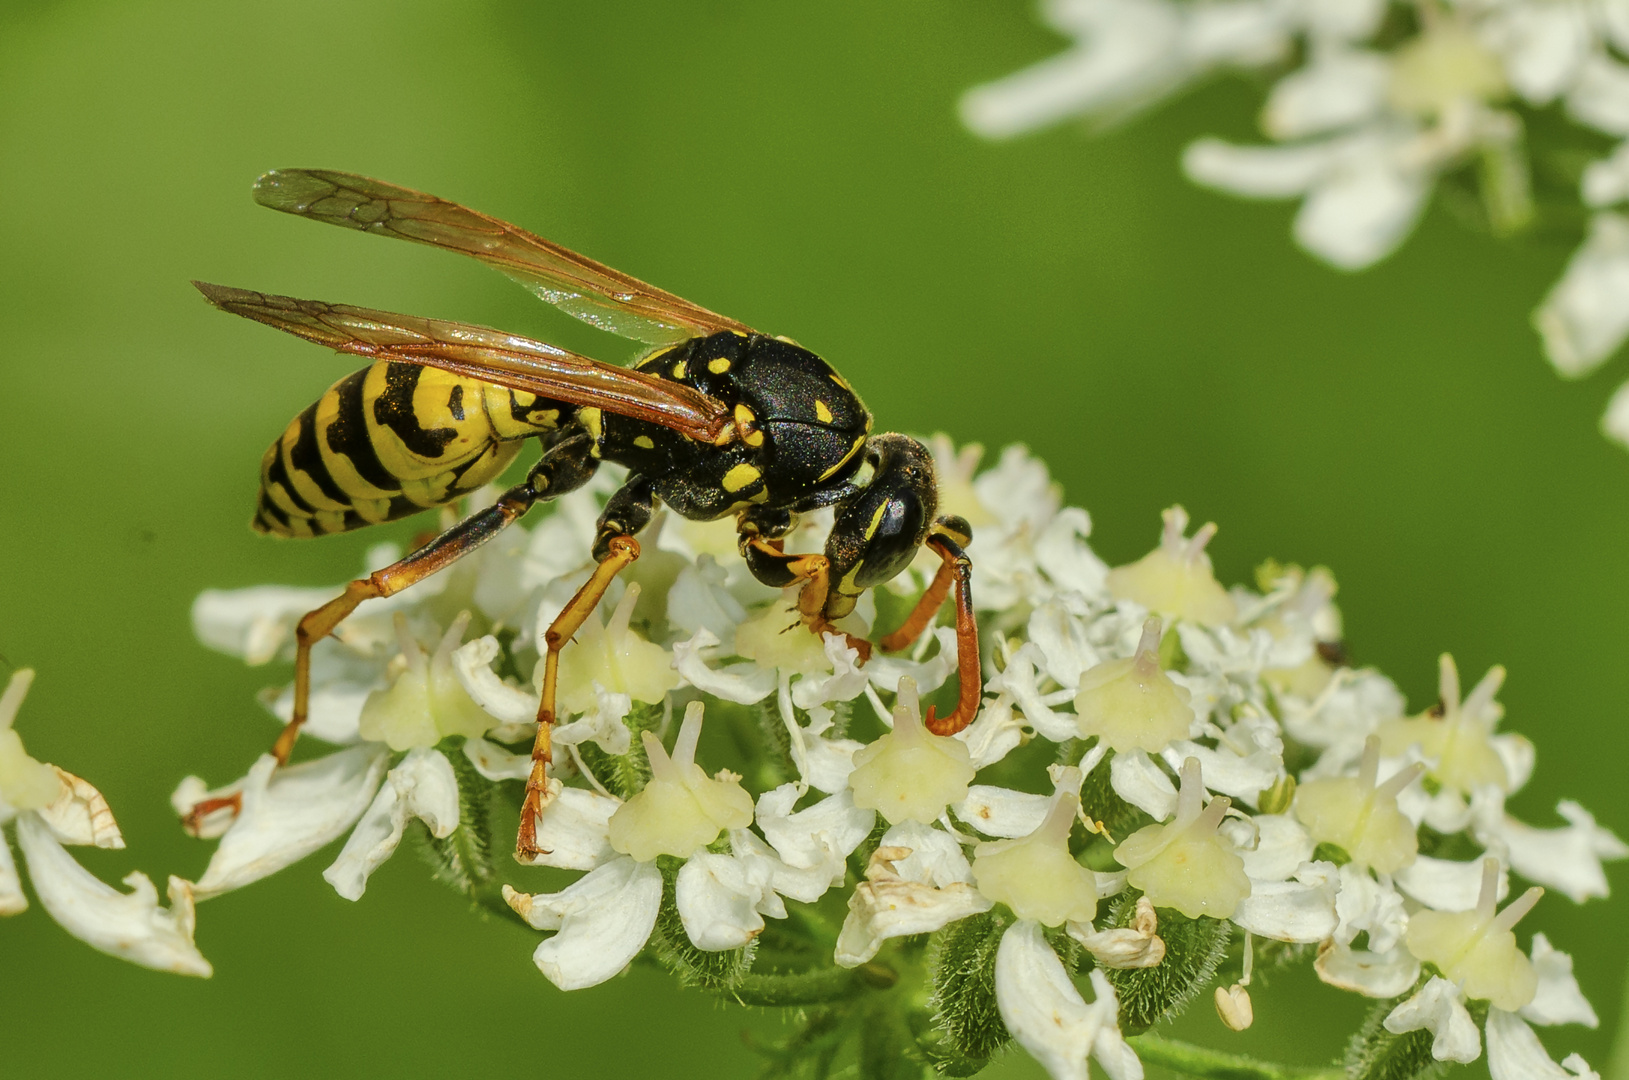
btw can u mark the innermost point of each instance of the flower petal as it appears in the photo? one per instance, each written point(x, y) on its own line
point(80, 815)
point(1439, 1008)
point(290, 812)
point(997, 811)
point(1047, 1015)
point(1558, 1000)
point(744, 684)
point(12, 900)
point(494, 762)
point(130, 925)
point(1567, 859)
point(1259, 172)
point(574, 830)
point(604, 919)
point(422, 786)
point(1302, 910)
point(822, 835)
point(1375, 975)
point(718, 898)
point(1136, 779)
point(1338, 88)
point(1515, 1053)
point(1360, 213)
point(472, 664)
point(1585, 317)
point(1445, 885)
point(892, 902)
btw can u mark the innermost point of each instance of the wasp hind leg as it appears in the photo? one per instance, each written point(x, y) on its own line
point(627, 512)
point(565, 466)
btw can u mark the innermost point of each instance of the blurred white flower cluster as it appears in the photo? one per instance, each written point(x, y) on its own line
point(1167, 779)
point(1375, 103)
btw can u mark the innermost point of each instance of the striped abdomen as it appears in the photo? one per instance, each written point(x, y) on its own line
point(391, 440)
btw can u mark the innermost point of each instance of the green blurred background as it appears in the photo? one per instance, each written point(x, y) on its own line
point(801, 167)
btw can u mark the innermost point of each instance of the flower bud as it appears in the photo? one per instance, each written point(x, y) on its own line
point(1175, 578)
point(681, 810)
point(910, 774)
point(1132, 704)
point(1361, 817)
point(1035, 875)
point(1187, 864)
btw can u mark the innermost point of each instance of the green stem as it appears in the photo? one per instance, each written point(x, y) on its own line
point(812, 987)
point(1191, 1060)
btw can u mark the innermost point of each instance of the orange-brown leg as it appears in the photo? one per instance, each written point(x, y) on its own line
point(622, 550)
point(924, 612)
point(438, 554)
point(968, 672)
point(815, 573)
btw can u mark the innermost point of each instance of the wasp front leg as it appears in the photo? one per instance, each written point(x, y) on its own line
point(627, 512)
point(770, 564)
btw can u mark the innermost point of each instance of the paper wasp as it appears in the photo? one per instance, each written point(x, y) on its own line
point(718, 420)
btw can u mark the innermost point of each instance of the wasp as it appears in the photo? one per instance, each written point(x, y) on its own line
point(717, 419)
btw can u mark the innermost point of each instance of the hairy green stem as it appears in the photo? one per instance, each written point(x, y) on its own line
point(1191, 1060)
point(812, 987)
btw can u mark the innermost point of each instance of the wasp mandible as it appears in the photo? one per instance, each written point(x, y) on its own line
point(717, 420)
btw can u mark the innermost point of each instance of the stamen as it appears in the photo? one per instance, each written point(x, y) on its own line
point(617, 627)
point(1448, 683)
point(1519, 907)
point(1196, 546)
point(12, 699)
point(1191, 793)
point(684, 747)
point(1399, 780)
point(1488, 899)
point(1369, 767)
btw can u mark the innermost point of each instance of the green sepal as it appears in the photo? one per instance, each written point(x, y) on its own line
point(625, 775)
point(1194, 949)
point(1376, 1054)
point(1327, 852)
point(717, 972)
point(966, 1027)
point(462, 859)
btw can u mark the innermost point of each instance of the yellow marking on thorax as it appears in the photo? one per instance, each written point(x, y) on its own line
point(644, 442)
point(593, 420)
point(679, 370)
point(859, 442)
point(840, 381)
point(739, 477)
point(719, 366)
point(822, 412)
point(746, 425)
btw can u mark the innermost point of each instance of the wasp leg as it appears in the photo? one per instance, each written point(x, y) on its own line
point(438, 554)
point(968, 672)
point(954, 529)
point(627, 511)
point(620, 551)
point(775, 568)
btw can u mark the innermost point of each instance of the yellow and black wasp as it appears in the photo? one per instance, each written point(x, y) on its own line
point(718, 420)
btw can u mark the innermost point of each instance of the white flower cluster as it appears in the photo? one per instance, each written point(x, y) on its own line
point(1370, 118)
point(1255, 780)
point(50, 807)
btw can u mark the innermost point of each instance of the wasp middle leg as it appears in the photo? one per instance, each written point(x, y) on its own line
point(627, 512)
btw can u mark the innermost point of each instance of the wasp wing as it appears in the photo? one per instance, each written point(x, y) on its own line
point(579, 286)
point(478, 352)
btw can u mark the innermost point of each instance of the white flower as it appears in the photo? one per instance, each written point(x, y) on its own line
point(1515, 1053)
point(1046, 1014)
point(1439, 1007)
point(1557, 999)
point(49, 808)
point(917, 881)
point(605, 917)
point(1584, 319)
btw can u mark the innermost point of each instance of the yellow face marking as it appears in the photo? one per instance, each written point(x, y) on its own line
point(876, 520)
point(719, 366)
point(679, 369)
point(644, 442)
point(859, 442)
point(740, 476)
point(822, 412)
point(847, 584)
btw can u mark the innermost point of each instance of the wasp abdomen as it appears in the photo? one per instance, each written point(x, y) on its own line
point(391, 440)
